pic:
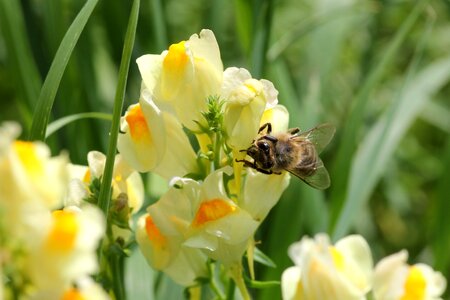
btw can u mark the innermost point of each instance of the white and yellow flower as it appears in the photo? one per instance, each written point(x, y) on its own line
point(160, 234)
point(143, 140)
point(124, 180)
point(324, 271)
point(31, 182)
point(63, 248)
point(246, 99)
point(184, 76)
point(82, 289)
point(394, 279)
point(154, 140)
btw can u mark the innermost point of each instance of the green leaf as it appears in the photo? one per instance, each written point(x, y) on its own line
point(380, 143)
point(23, 68)
point(139, 277)
point(53, 79)
point(105, 190)
point(263, 259)
point(58, 124)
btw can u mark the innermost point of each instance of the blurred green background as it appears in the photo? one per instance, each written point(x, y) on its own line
point(378, 70)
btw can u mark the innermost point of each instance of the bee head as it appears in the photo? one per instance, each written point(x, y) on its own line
point(261, 151)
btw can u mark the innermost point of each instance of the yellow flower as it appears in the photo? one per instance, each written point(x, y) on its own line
point(246, 99)
point(31, 181)
point(261, 192)
point(63, 248)
point(324, 271)
point(125, 180)
point(160, 234)
point(143, 142)
point(158, 143)
point(221, 228)
point(82, 289)
point(394, 279)
point(184, 76)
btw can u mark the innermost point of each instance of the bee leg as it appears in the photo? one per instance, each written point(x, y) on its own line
point(247, 163)
point(264, 126)
point(294, 130)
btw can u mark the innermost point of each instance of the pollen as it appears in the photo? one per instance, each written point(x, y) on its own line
point(138, 126)
point(212, 210)
point(176, 57)
point(153, 233)
point(63, 232)
point(28, 156)
point(415, 285)
point(72, 294)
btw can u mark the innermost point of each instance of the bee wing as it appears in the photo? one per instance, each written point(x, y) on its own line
point(319, 180)
point(320, 136)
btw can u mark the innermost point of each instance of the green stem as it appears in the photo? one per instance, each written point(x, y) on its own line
point(230, 290)
point(105, 190)
point(217, 145)
point(117, 277)
point(212, 282)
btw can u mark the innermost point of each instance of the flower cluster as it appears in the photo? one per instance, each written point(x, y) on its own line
point(344, 271)
point(47, 249)
point(191, 122)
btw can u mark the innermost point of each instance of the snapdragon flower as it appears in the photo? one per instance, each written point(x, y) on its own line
point(246, 99)
point(394, 279)
point(83, 289)
point(184, 76)
point(64, 247)
point(154, 140)
point(125, 180)
point(324, 271)
point(31, 182)
point(160, 234)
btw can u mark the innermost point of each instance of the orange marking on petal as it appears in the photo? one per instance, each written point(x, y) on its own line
point(153, 233)
point(63, 232)
point(212, 210)
point(137, 123)
point(72, 294)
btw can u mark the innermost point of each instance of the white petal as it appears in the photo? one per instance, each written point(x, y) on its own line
point(290, 280)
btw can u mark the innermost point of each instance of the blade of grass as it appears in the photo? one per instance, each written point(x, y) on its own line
point(50, 87)
point(105, 190)
point(244, 26)
point(378, 146)
point(341, 168)
point(261, 37)
point(159, 24)
point(22, 65)
point(440, 227)
point(60, 123)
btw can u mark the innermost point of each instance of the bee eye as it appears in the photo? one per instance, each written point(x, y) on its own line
point(264, 146)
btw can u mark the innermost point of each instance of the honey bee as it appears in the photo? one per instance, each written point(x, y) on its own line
point(294, 151)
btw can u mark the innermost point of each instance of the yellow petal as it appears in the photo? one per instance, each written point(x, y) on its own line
point(64, 231)
point(415, 285)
